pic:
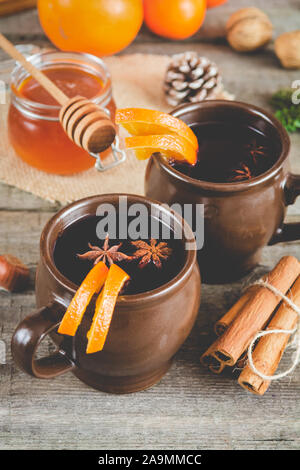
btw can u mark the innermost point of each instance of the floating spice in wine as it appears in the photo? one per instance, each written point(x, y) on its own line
point(256, 159)
point(149, 262)
point(230, 153)
point(107, 254)
point(154, 252)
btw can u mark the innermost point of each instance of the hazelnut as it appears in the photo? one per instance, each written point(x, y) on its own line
point(287, 49)
point(248, 29)
point(13, 273)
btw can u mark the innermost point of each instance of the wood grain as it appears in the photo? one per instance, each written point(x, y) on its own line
point(8, 7)
point(191, 408)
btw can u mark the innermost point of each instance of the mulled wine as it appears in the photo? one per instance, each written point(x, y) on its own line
point(230, 153)
point(149, 262)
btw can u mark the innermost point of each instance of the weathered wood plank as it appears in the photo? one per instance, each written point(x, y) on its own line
point(189, 409)
point(12, 199)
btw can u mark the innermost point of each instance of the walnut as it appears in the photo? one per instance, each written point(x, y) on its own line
point(287, 48)
point(248, 29)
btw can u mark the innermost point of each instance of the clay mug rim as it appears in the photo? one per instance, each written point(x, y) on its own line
point(51, 231)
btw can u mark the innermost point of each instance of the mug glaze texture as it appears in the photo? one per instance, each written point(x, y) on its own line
point(146, 331)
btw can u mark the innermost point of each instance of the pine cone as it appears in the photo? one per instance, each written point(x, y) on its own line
point(191, 78)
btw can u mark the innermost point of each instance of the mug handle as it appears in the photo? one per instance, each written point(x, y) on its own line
point(27, 338)
point(289, 232)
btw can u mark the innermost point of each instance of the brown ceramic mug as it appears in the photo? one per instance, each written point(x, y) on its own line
point(239, 218)
point(146, 331)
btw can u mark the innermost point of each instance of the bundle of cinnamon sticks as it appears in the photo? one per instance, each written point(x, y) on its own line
point(259, 308)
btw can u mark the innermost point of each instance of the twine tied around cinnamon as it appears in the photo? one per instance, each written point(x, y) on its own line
point(295, 343)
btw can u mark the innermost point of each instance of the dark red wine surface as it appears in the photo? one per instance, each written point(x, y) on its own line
point(227, 152)
point(75, 241)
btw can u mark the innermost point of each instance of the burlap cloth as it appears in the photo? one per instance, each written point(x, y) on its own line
point(137, 82)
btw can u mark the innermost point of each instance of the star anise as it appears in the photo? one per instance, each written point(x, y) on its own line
point(242, 173)
point(256, 151)
point(107, 254)
point(153, 251)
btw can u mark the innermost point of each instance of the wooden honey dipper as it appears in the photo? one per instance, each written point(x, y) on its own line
point(83, 121)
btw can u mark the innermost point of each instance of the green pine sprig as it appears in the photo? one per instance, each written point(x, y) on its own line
point(286, 111)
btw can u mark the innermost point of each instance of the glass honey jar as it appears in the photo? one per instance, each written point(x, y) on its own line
point(33, 120)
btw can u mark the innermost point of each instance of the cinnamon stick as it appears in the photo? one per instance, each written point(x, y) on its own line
point(224, 322)
point(208, 359)
point(270, 348)
point(212, 363)
point(216, 366)
point(255, 313)
point(242, 361)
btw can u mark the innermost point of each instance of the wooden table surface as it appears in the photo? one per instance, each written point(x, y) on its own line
point(190, 408)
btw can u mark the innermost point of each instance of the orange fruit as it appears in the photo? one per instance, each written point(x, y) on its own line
point(140, 121)
point(214, 3)
point(90, 286)
point(173, 146)
point(105, 306)
point(174, 19)
point(99, 27)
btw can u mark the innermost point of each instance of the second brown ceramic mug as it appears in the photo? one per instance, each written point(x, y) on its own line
point(146, 330)
point(239, 218)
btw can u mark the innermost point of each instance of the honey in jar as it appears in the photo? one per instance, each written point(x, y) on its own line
point(33, 121)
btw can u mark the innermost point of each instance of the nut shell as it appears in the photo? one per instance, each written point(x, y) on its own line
point(14, 275)
point(287, 49)
point(248, 29)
